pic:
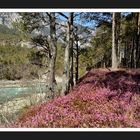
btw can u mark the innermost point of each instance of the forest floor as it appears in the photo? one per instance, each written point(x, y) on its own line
point(102, 98)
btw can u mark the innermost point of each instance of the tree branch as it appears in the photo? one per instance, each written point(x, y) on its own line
point(62, 15)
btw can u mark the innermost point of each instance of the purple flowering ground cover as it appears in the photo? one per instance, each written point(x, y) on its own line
point(101, 99)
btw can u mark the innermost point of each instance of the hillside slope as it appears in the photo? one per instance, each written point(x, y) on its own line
point(102, 98)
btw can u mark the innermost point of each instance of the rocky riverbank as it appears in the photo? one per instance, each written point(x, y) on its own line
point(22, 83)
point(10, 110)
point(20, 102)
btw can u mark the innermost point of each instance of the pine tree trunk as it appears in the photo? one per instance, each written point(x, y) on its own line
point(66, 72)
point(77, 63)
point(115, 39)
point(71, 49)
point(137, 41)
point(68, 60)
point(52, 57)
point(132, 53)
point(114, 54)
point(65, 77)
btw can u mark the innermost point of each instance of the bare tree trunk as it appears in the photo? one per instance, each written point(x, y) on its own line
point(77, 62)
point(71, 49)
point(115, 39)
point(68, 60)
point(137, 41)
point(132, 53)
point(65, 77)
point(119, 39)
point(125, 54)
point(52, 56)
point(114, 54)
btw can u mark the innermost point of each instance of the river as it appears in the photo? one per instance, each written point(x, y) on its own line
point(10, 91)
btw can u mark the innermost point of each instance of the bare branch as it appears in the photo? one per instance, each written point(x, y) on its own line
point(63, 15)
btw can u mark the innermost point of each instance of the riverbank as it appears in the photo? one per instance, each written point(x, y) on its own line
point(17, 96)
point(10, 110)
point(24, 83)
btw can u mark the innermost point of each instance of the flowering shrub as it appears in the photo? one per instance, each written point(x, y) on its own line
point(100, 99)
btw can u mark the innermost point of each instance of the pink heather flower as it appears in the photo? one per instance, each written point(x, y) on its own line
point(98, 100)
